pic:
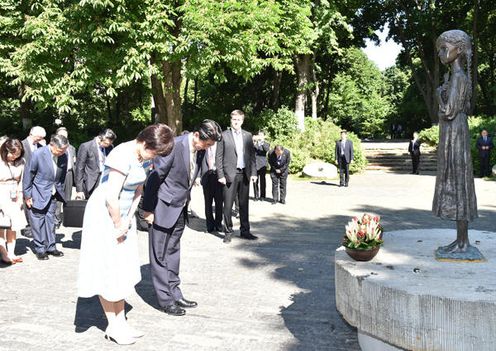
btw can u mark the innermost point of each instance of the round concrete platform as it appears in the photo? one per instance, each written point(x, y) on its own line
point(409, 300)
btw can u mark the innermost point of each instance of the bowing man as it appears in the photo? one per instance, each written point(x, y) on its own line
point(165, 203)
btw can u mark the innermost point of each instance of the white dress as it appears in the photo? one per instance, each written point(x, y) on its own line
point(108, 268)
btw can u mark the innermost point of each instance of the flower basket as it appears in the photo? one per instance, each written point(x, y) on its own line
point(363, 237)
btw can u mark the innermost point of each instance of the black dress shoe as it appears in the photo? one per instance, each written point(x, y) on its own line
point(174, 310)
point(283, 202)
point(218, 228)
point(227, 237)
point(56, 253)
point(27, 233)
point(42, 256)
point(274, 202)
point(249, 236)
point(186, 303)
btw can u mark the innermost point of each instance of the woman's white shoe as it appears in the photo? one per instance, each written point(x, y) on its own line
point(120, 337)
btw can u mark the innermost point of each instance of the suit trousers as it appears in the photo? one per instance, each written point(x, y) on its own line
point(43, 227)
point(240, 187)
point(88, 192)
point(279, 182)
point(415, 163)
point(212, 192)
point(485, 167)
point(344, 171)
point(165, 255)
point(260, 186)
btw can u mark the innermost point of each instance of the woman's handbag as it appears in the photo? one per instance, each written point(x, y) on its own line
point(5, 222)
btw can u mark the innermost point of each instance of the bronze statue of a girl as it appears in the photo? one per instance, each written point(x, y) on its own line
point(454, 196)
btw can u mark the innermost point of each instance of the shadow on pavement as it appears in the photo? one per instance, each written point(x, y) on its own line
point(89, 313)
point(304, 252)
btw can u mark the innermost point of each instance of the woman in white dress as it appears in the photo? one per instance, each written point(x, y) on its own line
point(11, 171)
point(109, 263)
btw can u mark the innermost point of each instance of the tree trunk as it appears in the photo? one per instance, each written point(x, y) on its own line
point(186, 100)
point(24, 107)
point(159, 100)
point(302, 74)
point(276, 90)
point(475, 76)
point(172, 94)
point(315, 91)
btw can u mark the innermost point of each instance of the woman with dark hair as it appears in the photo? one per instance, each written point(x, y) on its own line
point(109, 263)
point(11, 171)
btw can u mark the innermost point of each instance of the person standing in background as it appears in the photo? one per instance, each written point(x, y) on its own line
point(344, 156)
point(414, 150)
point(32, 142)
point(261, 149)
point(69, 177)
point(279, 160)
point(484, 145)
point(212, 190)
point(90, 162)
point(235, 160)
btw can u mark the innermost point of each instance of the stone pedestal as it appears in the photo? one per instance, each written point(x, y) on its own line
point(408, 300)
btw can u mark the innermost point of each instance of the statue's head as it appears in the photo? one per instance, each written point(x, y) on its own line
point(453, 44)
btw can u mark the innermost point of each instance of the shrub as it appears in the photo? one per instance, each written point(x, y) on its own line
point(430, 136)
point(317, 142)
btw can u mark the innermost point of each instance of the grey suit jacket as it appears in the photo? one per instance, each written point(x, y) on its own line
point(87, 166)
point(226, 157)
point(39, 178)
point(168, 186)
point(27, 150)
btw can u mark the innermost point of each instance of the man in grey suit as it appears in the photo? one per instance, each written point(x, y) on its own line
point(89, 162)
point(165, 202)
point(344, 156)
point(30, 144)
point(43, 185)
point(235, 160)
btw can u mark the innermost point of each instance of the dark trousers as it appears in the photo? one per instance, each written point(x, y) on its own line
point(485, 167)
point(69, 181)
point(279, 186)
point(259, 191)
point(415, 163)
point(344, 172)
point(43, 227)
point(240, 187)
point(165, 254)
point(212, 192)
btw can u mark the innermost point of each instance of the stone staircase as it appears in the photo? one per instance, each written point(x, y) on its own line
point(392, 156)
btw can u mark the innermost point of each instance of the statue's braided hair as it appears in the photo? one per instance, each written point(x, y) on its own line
point(461, 40)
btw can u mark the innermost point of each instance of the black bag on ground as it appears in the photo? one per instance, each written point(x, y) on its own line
point(74, 213)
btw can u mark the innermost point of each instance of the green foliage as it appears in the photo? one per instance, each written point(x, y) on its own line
point(317, 142)
point(358, 102)
point(430, 136)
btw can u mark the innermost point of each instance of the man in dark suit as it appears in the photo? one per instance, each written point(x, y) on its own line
point(69, 177)
point(344, 156)
point(279, 160)
point(414, 150)
point(261, 149)
point(165, 203)
point(43, 185)
point(30, 144)
point(89, 162)
point(235, 160)
point(212, 190)
point(484, 145)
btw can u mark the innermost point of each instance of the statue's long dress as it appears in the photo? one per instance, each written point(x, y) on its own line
point(454, 196)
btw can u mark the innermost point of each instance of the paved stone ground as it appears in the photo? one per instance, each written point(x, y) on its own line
point(273, 294)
